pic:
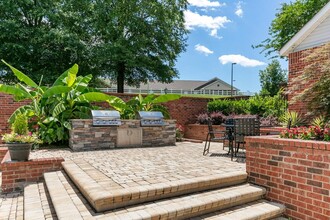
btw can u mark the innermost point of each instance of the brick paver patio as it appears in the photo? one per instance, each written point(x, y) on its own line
point(136, 167)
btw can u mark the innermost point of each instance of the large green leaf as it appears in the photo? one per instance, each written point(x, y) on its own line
point(21, 76)
point(72, 74)
point(82, 82)
point(95, 97)
point(55, 90)
point(166, 98)
point(59, 108)
point(60, 79)
point(12, 90)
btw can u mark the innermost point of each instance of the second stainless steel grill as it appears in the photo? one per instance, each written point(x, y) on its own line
point(106, 118)
point(151, 119)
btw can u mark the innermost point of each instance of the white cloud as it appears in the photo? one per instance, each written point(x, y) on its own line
point(202, 49)
point(205, 3)
point(203, 21)
point(214, 33)
point(240, 60)
point(239, 10)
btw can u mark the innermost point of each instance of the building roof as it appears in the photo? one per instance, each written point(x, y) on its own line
point(214, 80)
point(182, 85)
point(315, 33)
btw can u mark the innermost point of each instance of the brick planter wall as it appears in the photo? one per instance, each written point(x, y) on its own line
point(296, 173)
point(199, 132)
point(84, 136)
point(3, 151)
point(15, 175)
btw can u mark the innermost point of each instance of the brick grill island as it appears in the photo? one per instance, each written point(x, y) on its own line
point(84, 136)
point(295, 172)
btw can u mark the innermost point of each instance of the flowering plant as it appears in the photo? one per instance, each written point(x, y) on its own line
point(304, 133)
point(179, 132)
point(20, 138)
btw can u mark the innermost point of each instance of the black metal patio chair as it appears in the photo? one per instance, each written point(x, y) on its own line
point(218, 136)
point(245, 127)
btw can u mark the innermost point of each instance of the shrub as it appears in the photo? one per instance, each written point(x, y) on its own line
point(217, 118)
point(310, 133)
point(179, 131)
point(270, 121)
point(295, 118)
point(202, 118)
point(257, 105)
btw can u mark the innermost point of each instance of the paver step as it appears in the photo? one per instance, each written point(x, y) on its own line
point(60, 197)
point(180, 207)
point(37, 205)
point(104, 194)
point(261, 209)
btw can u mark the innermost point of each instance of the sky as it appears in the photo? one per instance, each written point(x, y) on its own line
point(223, 32)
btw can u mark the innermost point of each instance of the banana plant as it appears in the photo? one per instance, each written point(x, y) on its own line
point(151, 102)
point(51, 108)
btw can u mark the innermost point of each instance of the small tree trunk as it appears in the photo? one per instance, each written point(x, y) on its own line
point(120, 77)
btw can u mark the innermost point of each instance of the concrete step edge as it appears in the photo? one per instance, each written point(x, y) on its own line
point(60, 197)
point(261, 210)
point(36, 202)
point(102, 199)
point(188, 206)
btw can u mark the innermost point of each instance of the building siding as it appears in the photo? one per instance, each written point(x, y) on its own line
point(320, 35)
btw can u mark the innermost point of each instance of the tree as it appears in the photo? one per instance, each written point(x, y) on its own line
point(139, 40)
point(317, 76)
point(272, 78)
point(36, 37)
point(128, 41)
point(291, 17)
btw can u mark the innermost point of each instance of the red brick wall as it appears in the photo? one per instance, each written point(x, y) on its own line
point(296, 67)
point(183, 110)
point(3, 151)
point(7, 107)
point(16, 175)
point(295, 172)
point(199, 132)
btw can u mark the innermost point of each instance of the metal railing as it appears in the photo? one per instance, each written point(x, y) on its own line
point(173, 91)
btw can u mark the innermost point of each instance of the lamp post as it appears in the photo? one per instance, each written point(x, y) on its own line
point(232, 80)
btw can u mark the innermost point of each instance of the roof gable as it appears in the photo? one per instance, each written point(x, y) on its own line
point(315, 33)
point(215, 80)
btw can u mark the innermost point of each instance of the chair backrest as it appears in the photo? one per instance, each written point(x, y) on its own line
point(209, 124)
point(246, 127)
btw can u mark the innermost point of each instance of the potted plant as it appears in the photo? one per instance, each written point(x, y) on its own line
point(20, 140)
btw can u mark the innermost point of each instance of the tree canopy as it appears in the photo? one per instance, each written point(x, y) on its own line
point(125, 40)
point(289, 19)
point(272, 78)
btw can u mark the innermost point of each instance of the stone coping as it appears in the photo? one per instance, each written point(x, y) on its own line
point(280, 142)
point(102, 199)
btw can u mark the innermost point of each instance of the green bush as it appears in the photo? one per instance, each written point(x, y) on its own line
point(257, 105)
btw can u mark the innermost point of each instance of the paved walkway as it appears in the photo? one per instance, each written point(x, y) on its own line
point(138, 166)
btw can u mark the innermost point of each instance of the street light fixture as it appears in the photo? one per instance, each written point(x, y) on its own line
point(232, 80)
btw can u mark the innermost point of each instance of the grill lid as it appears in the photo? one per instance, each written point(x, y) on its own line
point(151, 118)
point(105, 118)
point(151, 115)
point(105, 114)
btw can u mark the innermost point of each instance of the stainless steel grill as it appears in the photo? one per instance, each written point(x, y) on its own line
point(151, 119)
point(106, 118)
